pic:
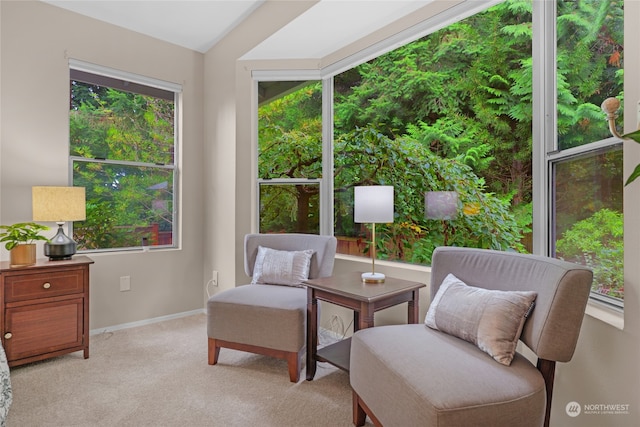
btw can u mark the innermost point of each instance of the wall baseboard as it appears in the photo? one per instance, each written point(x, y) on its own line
point(145, 322)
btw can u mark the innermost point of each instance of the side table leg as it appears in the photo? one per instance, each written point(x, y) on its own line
point(365, 316)
point(413, 307)
point(312, 333)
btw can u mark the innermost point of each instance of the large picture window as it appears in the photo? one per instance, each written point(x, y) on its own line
point(123, 151)
point(453, 111)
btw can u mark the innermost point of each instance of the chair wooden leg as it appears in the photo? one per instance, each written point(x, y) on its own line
point(214, 352)
point(359, 416)
point(547, 368)
point(293, 362)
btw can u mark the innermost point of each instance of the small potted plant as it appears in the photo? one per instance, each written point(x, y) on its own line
point(19, 240)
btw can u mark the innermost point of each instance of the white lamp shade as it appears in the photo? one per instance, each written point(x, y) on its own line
point(373, 204)
point(58, 204)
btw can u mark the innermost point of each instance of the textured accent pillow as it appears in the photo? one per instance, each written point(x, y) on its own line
point(274, 267)
point(490, 319)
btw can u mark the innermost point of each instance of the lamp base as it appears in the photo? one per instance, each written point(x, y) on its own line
point(373, 277)
point(60, 247)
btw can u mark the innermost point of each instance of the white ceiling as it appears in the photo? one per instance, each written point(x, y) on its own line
point(198, 25)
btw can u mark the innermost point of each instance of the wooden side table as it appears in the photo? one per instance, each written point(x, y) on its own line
point(44, 309)
point(364, 299)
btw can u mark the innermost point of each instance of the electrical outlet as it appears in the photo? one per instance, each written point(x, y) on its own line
point(125, 283)
point(214, 280)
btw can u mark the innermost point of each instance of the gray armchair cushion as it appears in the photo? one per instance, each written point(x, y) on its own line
point(262, 315)
point(553, 327)
point(490, 319)
point(411, 375)
point(274, 267)
point(324, 250)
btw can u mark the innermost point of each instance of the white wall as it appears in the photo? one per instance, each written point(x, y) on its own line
point(37, 42)
point(228, 150)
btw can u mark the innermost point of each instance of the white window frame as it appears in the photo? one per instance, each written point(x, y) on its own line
point(544, 147)
point(453, 14)
point(100, 70)
point(546, 150)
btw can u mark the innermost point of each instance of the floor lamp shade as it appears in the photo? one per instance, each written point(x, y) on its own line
point(373, 204)
point(59, 205)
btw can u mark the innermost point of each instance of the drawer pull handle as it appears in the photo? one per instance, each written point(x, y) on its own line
point(46, 285)
point(8, 335)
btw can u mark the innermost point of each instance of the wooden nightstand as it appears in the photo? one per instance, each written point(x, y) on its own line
point(44, 309)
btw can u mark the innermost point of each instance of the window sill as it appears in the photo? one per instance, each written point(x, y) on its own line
point(400, 266)
point(609, 315)
point(131, 250)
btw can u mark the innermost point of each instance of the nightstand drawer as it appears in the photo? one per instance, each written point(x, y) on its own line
point(41, 285)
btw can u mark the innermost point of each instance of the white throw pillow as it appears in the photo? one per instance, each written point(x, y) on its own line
point(490, 319)
point(274, 267)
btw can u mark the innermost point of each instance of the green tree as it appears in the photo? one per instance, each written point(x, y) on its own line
point(590, 60)
point(464, 90)
point(453, 111)
point(290, 146)
point(122, 199)
point(597, 242)
point(484, 220)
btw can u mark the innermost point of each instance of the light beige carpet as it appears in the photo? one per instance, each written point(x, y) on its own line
point(157, 375)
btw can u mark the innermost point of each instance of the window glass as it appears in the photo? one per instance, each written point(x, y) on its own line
point(289, 207)
point(587, 180)
point(589, 67)
point(588, 216)
point(448, 112)
point(122, 147)
point(289, 149)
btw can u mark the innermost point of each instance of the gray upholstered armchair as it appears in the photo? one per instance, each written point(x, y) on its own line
point(268, 316)
point(461, 367)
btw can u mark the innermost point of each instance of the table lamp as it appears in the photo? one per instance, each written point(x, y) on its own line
point(59, 204)
point(373, 204)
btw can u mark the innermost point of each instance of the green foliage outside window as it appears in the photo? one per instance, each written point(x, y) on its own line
point(453, 111)
point(122, 144)
point(597, 242)
point(485, 220)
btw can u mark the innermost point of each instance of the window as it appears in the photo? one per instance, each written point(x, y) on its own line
point(123, 151)
point(588, 222)
point(289, 156)
point(585, 162)
point(417, 118)
point(450, 111)
point(453, 110)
